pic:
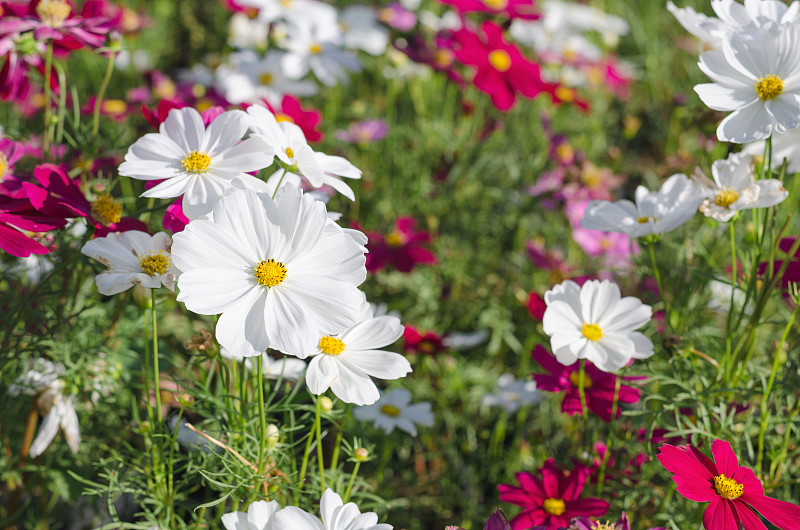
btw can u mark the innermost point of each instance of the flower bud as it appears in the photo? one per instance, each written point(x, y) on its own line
point(325, 404)
point(361, 454)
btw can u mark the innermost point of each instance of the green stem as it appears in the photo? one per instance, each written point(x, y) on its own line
point(48, 70)
point(98, 103)
point(320, 456)
point(262, 415)
point(280, 181)
point(601, 478)
point(581, 390)
point(350, 484)
point(337, 447)
point(304, 463)
point(155, 354)
point(659, 283)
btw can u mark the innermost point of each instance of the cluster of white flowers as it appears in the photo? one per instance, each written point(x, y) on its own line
point(309, 36)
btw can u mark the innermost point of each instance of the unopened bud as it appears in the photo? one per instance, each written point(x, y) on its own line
point(185, 400)
point(361, 454)
point(325, 404)
point(141, 295)
point(273, 436)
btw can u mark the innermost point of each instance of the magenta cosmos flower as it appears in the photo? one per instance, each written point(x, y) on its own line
point(552, 501)
point(733, 491)
point(501, 70)
point(522, 9)
point(401, 248)
point(597, 384)
point(55, 19)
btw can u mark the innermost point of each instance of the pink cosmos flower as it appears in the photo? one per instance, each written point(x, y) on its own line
point(522, 9)
point(56, 20)
point(497, 521)
point(398, 17)
point(615, 247)
point(536, 306)
point(401, 248)
point(733, 491)
point(16, 215)
point(501, 70)
point(364, 131)
point(553, 500)
point(597, 385)
point(307, 119)
point(428, 343)
point(583, 523)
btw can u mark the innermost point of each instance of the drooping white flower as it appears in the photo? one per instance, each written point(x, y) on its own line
point(246, 77)
point(784, 146)
point(280, 273)
point(333, 167)
point(132, 258)
point(335, 516)
point(593, 322)
point(259, 516)
point(512, 394)
point(196, 162)
point(757, 77)
point(654, 212)
point(734, 188)
point(394, 409)
point(344, 363)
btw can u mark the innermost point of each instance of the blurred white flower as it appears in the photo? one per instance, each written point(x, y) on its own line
point(394, 409)
point(512, 394)
point(247, 33)
point(132, 258)
point(593, 322)
point(259, 516)
point(335, 516)
point(360, 30)
point(734, 188)
point(247, 77)
point(318, 48)
point(784, 146)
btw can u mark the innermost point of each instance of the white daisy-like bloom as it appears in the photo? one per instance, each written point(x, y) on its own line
point(733, 16)
point(335, 516)
point(756, 75)
point(196, 162)
point(734, 188)
point(247, 33)
point(654, 212)
point(247, 77)
point(42, 380)
point(361, 30)
point(333, 168)
point(259, 516)
point(593, 322)
point(345, 362)
point(512, 394)
point(785, 146)
point(318, 48)
point(280, 272)
point(133, 258)
point(394, 409)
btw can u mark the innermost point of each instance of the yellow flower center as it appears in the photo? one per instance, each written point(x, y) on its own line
point(53, 12)
point(646, 219)
point(554, 506)
point(727, 487)
point(154, 263)
point(270, 272)
point(443, 58)
point(726, 196)
point(316, 49)
point(266, 79)
point(604, 526)
point(567, 95)
point(289, 152)
point(500, 60)
point(106, 210)
point(196, 162)
point(3, 166)
point(394, 239)
point(769, 87)
point(565, 152)
point(592, 332)
point(496, 4)
point(390, 410)
point(279, 117)
point(331, 345)
point(574, 378)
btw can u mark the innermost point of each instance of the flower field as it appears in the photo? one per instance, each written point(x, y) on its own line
point(425, 264)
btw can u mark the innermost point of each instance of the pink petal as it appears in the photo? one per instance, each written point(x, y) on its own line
point(719, 516)
point(784, 515)
point(724, 458)
point(694, 480)
point(749, 519)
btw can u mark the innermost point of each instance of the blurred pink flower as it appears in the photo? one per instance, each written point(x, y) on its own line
point(522, 9)
point(364, 131)
point(402, 248)
point(429, 343)
point(398, 17)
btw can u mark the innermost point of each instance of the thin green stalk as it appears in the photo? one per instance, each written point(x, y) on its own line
point(765, 397)
point(98, 103)
point(155, 354)
point(350, 484)
point(280, 181)
point(581, 390)
point(320, 456)
point(659, 283)
point(304, 463)
point(734, 283)
point(48, 70)
point(262, 415)
point(337, 446)
point(601, 478)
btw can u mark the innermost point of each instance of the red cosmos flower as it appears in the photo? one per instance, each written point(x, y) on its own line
point(536, 306)
point(501, 70)
point(523, 9)
point(552, 501)
point(401, 248)
point(597, 385)
point(428, 343)
point(17, 214)
point(56, 20)
point(734, 491)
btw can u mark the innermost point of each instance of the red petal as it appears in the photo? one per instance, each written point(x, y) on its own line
point(751, 484)
point(784, 515)
point(693, 479)
point(719, 516)
point(724, 458)
point(748, 517)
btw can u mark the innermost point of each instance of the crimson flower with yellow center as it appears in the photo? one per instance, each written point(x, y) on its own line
point(733, 492)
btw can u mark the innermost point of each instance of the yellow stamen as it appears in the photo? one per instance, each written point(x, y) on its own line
point(154, 263)
point(106, 210)
point(726, 196)
point(554, 506)
point(567, 95)
point(592, 332)
point(196, 162)
point(769, 87)
point(500, 60)
point(604, 526)
point(727, 487)
point(114, 106)
point(316, 49)
point(574, 379)
point(394, 239)
point(289, 152)
point(279, 117)
point(331, 345)
point(53, 12)
point(390, 410)
point(497, 5)
point(3, 166)
point(265, 79)
point(270, 272)
point(646, 219)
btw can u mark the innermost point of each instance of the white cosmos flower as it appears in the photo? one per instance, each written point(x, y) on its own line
point(592, 322)
point(361, 30)
point(196, 162)
point(318, 48)
point(335, 516)
point(259, 516)
point(512, 394)
point(734, 188)
point(250, 78)
point(757, 76)
point(280, 273)
point(394, 409)
point(654, 212)
point(345, 362)
point(784, 146)
point(132, 258)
